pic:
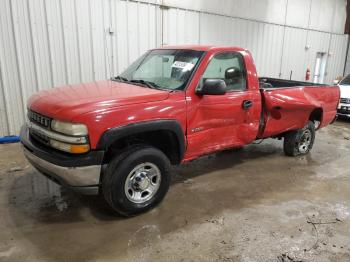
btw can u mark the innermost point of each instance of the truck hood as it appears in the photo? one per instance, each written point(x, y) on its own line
point(67, 102)
point(344, 91)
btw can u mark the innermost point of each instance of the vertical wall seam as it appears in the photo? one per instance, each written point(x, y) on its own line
point(328, 58)
point(127, 31)
point(149, 25)
point(138, 27)
point(105, 35)
point(49, 46)
point(20, 80)
point(346, 56)
point(6, 129)
point(116, 54)
point(162, 23)
point(16, 47)
point(92, 42)
point(111, 57)
point(78, 40)
point(283, 38)
point(35, 66)
point(199, 27)
point(64, 44)
point(329, 47)
point(308, 24)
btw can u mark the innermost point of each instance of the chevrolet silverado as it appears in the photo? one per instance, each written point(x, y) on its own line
point(119, 137)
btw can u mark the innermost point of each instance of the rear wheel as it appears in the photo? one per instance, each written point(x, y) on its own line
point(299, 142)
point(136, 180)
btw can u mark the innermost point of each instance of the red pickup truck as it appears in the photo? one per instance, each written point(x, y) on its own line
point(119, 137)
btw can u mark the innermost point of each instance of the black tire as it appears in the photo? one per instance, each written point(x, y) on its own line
point(117, 171)
point(293, 140)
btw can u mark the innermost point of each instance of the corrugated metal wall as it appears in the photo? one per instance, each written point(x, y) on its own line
point(51, 43)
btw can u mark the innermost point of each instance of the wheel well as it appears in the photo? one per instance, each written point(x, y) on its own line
point(164, 140)
point(316, 115)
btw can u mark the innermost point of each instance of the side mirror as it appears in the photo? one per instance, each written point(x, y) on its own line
point(233, 73)
point(212, 87)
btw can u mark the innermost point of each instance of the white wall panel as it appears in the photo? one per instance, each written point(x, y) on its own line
point(3, 114)
point(98, 38)
point(294, 54)
point(326, 15)
point(85, 49)
point(11, 79)
point(267, 50)
point(271, 11)
point(136, 29)
point(44, 44)
point(263, 40)
point(298, 13)
point(55, 26)
point(339, 16)
point(211, 29)
point(24, 47)
point(180, 26)
point(321, 14)
point(317, 42)
point(41, 46)
point(71, 41)
point(336, 58)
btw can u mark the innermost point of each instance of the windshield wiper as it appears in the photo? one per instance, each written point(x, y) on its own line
point(146, 83)
point(149, 84)
point(120, 78)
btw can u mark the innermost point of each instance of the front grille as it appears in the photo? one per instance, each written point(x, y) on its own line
point(39, 137)
point(345, 100)
point(39, 119)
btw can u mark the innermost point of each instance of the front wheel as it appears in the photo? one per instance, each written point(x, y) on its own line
point(299, 142)
point(136, 180)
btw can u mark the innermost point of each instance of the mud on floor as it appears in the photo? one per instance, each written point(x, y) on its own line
point(254, 204)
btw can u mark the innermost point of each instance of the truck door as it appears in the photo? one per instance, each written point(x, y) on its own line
point(222, 121)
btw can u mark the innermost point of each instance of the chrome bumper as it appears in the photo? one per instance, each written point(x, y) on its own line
point(83, 179)
point(342, 114)
point(342, 110)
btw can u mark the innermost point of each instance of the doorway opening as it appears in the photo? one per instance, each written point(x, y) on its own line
point(320, 67)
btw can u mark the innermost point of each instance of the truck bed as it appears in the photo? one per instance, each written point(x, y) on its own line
point(267, 82)
point(288, 105)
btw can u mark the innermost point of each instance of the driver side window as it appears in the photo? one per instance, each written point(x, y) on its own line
point(220, 67)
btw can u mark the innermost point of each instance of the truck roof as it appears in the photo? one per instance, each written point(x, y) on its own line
point(202, 47)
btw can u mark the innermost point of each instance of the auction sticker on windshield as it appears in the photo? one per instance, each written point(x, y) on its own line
point(183, 65)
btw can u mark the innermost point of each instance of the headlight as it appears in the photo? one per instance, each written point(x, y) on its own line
point(69, 128)
point(70, 148)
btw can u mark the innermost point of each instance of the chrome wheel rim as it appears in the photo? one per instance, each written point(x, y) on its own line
point(142, 183)
point(305, 141)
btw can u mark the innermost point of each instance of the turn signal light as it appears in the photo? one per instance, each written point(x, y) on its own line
point(70, 148)
point(79, 149)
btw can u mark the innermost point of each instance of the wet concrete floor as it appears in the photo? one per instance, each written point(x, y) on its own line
point(250, 205)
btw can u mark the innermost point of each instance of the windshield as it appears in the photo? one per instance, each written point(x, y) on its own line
point(345, 81)
point(163, 68)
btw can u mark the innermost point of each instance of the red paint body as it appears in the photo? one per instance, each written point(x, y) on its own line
point(222, 121)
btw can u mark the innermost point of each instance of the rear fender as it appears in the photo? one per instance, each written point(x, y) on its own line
point(287, 109)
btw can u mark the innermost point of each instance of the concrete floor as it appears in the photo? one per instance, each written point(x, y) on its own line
point(250, 205)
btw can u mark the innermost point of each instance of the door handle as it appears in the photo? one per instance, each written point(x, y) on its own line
point(247, 104)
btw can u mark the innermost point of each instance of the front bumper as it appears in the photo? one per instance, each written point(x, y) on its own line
point(343, 114)
point(78, 172)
